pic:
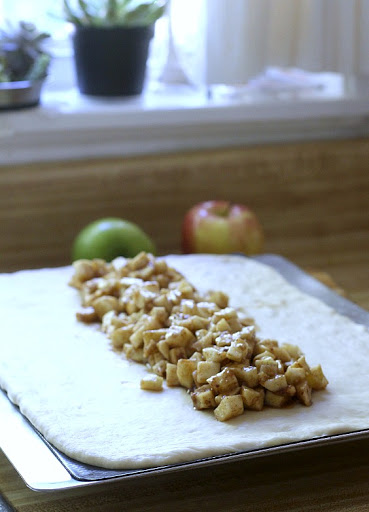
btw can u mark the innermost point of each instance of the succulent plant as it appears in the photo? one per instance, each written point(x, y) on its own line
point(22, 56)
point(113, 12)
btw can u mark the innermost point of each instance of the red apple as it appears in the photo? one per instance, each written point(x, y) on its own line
point(219, 227)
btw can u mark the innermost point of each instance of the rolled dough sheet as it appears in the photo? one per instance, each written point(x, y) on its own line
point(86, 399)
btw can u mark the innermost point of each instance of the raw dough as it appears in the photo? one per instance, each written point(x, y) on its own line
point(87, 401)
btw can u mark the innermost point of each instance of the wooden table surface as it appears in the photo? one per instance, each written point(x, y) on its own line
point(329, 478)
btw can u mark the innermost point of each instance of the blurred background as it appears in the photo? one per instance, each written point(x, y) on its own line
point(211, 42)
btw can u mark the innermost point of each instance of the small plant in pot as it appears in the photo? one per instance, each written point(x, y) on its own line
point(111, 43)
point(23, 65)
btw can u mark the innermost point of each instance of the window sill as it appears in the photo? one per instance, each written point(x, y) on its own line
point(69, 126)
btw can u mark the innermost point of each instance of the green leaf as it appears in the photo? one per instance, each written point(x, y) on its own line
point(143, 13)
point(4, 77)
point(85, 10)
point(114, 12)
point(39, 69)
point(70, 15)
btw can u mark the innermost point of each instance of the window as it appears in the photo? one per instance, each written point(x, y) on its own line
point(43, 13)
point(228, 65)
point(48, 16)
point(230, 41)
point(243, 37)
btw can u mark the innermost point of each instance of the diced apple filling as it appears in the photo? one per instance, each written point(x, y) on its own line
point(154, 316)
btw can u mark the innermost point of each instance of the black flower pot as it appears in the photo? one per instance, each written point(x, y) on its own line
point(111, 61)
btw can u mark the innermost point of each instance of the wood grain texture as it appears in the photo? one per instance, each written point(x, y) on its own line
point(312, 199)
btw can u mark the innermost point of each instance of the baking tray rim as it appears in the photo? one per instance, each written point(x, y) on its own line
point(64, 479)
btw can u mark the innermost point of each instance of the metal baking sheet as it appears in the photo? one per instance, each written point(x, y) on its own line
point(312, 286)
point(4, 505)
point(43, 467)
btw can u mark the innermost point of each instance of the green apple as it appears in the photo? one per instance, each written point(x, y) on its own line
point(109, 238)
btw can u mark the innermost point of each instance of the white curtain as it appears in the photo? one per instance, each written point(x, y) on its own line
point(237, 39)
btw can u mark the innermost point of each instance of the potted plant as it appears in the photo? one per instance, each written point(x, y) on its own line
point(111, 43)
point(23, 65)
